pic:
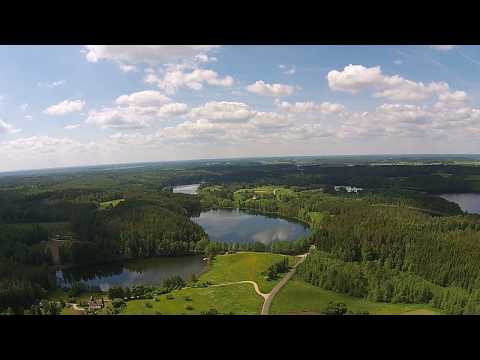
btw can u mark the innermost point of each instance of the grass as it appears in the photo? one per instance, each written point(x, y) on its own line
point(317, 218)
point(70, 311)
point(244, 266)
point(113, 203)
point(298, 297)
point(240, 299)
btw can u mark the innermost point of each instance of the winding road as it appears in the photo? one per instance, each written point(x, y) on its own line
point(281, 283)
point(269, 297)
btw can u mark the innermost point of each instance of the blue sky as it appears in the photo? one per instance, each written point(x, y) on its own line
point(86, 105)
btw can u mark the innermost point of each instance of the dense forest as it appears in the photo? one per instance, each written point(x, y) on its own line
point(395, 228)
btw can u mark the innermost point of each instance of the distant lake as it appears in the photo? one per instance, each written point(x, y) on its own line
point(186, 189)
point(134, 272)
point(468, 202)
point(237, 226)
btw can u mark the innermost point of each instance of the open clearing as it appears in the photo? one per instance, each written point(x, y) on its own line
point(299, 297)
point(113, 203)
point(244, 266)
point(239, 299)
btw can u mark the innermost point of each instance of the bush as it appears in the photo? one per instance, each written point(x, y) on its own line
point(189, 307)
point(148, 305)
point(188, 298)
point(170, 297)
point(335, 309)
point(117, 303)
point(210, 312)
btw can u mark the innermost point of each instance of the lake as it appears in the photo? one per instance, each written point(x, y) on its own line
point(186, 189)
point(468, 202)
point(134, 272)
point(228, 225)
point(223, 225)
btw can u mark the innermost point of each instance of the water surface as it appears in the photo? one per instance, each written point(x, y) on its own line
point(186, 189)
point(134, 272)
point(468, 202)
point(237, 226)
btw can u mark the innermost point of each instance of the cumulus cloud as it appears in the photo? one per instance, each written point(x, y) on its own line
point(7, 128)
point(126, 118)
point(442, 47)
point(128, 56)
point(176, 77)
point(143, 98)
point(262, 88)
point(65, 107)
point(135, 111)
point(224, 111)
point(354, 78)
point(306, 107)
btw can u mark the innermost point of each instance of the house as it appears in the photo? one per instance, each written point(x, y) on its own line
point(96, 304)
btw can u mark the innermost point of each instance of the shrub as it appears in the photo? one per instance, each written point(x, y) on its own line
point(170, 297)
point(117, 303)
point(188, 307)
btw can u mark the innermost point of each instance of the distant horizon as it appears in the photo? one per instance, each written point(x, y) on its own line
point(234, 158)
point(86, 105)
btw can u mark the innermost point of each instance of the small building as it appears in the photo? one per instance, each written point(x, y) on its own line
point(96, 304)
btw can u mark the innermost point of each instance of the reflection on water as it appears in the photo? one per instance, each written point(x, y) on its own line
point(135, 272)
point(241, 227)
point(186, 189)
point(468, 202)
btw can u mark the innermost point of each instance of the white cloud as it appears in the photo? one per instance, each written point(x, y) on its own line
point(452, 99)
point(118, 118)
point(143, 98)
point(270, 120)
point(442, 47)
point(224, 111)
point(173, 109)
point(7, 128)
point(72, 126)
point(276, 90)
point(354, 78)
point(307, 107)
point(128, 55)
point(288, 70)
point(65, 107)
point(53, 84)
point(176, 77)
point(24, 107)
point(135, 111)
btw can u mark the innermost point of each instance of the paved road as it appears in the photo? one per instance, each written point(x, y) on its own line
point(276, 289)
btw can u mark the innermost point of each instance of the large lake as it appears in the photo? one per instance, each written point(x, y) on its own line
point(468, 202)
point(237, 226)
point(134, 272)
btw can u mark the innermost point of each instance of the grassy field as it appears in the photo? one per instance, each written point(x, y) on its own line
point(244, 266)
point(265, 192)
point(300, 297)
point(240, 299)
point(106, 204)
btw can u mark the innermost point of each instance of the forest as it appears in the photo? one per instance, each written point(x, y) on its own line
point(395, 241)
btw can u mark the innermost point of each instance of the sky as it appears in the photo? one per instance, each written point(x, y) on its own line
point(103, 104)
